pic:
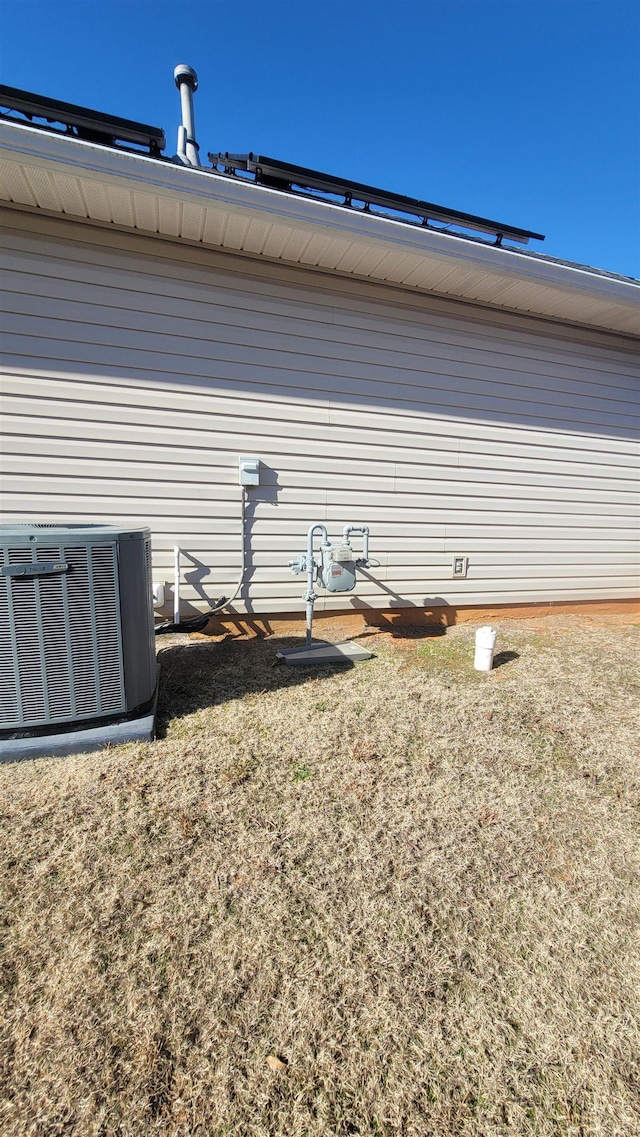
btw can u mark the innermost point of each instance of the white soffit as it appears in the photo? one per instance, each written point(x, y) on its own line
point(80, 179)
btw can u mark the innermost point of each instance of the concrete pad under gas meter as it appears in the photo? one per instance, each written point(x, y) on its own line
point(324, 653)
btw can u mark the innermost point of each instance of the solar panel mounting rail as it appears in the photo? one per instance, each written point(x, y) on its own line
point(285, 176)
point(80, 122)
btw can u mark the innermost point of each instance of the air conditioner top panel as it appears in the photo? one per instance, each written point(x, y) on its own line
point(78, 532)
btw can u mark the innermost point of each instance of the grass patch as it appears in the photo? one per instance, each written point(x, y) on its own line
point(301, 773)
point(400, 898)
point(448, 656)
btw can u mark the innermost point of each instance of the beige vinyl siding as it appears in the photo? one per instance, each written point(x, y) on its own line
point(136, 371)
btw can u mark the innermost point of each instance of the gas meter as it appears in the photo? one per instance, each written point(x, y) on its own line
point(337, 569)
point(334, 568)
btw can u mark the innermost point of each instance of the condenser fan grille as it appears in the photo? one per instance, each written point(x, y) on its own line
point(61, 655)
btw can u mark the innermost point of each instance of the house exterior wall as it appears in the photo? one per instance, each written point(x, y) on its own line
point(136, 370)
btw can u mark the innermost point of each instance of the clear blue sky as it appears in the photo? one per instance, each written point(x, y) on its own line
point(526, 112)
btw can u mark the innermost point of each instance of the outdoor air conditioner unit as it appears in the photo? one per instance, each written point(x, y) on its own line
point(77, 650)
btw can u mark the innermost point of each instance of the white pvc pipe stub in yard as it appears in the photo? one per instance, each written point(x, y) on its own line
point(485, 647)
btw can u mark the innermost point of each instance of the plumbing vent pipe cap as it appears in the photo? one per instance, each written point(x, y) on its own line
point(486, 637)
point(485, 647)
point(185, 74)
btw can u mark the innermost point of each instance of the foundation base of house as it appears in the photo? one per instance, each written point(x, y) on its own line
point(351, 622)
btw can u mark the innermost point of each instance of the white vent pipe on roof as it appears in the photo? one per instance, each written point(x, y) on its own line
point(187, 82)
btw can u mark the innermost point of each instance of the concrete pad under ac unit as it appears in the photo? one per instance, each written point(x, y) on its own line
point(78, 741)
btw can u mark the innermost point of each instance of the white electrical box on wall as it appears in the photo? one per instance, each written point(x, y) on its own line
point(248, 470)
point(459, 565)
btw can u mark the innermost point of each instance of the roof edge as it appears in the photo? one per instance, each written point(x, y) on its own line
point(537, 281)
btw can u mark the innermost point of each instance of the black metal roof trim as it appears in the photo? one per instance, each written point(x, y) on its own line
point(80, 122)
point(285, 176)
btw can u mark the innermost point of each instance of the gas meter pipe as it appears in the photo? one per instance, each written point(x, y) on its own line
point(310, 596)
point(364, 529)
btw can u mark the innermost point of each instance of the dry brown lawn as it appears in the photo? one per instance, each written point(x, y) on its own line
point(395, 899)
